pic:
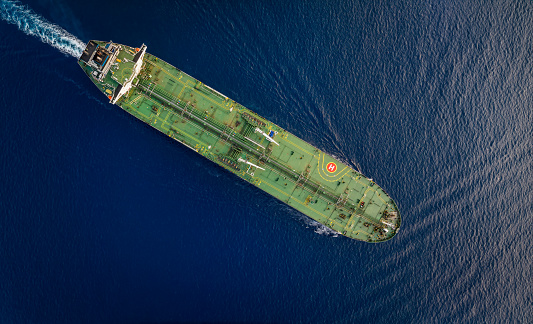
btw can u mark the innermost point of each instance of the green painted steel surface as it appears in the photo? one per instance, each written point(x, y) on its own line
point(246, 144)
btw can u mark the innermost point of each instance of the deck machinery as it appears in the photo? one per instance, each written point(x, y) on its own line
point(239, 140)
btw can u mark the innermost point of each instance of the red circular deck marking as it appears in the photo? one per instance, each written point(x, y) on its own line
point(332, 167)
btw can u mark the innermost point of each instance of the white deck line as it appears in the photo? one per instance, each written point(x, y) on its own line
point(215, 91)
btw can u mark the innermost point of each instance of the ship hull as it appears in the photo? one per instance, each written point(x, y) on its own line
point(237, 139)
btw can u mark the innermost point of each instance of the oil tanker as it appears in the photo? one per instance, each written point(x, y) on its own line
point(239, 140)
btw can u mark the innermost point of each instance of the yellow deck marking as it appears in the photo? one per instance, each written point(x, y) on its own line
point(361, 231)
point(188, 84)
point(329, 176)
point(336, 177)
point(191, 85)
point(189, 136)
point(168, 127)
point(367, 190)
point(301, 203)
point(379, 196)
point(140, 113)
point(213, 101)
point(359, 182)
point(286, 139)
point(182, 88)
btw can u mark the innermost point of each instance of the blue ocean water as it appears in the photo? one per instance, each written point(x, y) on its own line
point(104, 220)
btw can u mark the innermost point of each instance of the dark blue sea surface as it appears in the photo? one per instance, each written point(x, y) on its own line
point(105, 220)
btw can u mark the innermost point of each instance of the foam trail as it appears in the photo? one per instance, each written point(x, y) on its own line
point(32, 24)
point(320, 228)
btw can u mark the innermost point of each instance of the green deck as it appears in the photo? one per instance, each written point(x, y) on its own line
point(224, 132)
